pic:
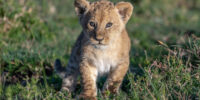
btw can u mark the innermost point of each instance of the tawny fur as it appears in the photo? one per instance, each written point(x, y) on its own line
point(101, 48)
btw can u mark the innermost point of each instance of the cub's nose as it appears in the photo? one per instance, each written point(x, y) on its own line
point(99, 38)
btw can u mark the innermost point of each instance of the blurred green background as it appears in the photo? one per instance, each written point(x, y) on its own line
point(165, 53)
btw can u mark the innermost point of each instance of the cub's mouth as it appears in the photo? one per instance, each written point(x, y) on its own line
point(98, 44)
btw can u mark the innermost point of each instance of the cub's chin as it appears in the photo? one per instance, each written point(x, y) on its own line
point(100, 46)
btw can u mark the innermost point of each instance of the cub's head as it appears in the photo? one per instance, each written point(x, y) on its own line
point(102, 21)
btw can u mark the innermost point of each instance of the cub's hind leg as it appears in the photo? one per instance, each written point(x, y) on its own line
point(69, 75)
point(69, 82)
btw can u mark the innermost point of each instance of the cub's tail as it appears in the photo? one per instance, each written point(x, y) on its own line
point(61, 71)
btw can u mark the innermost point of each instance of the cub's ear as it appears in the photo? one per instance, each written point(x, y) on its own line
point(125, 10)
point(81, 6)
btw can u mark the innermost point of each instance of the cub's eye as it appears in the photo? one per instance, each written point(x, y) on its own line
point(108, 25)
point(92, 24)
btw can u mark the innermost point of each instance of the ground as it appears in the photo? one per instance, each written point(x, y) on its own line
point(165, 53)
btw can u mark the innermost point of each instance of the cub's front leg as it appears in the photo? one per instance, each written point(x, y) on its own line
point(89, 76)
point(115, 78)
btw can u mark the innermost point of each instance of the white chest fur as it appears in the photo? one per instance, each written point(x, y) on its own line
point(104, 62)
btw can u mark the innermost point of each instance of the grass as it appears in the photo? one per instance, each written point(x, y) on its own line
point(165, 53)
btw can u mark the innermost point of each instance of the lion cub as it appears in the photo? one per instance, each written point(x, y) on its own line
point(101, 49)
